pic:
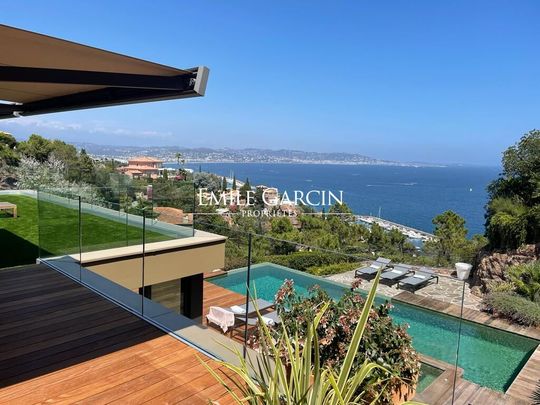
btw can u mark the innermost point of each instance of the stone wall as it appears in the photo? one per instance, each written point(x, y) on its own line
point(493, 266)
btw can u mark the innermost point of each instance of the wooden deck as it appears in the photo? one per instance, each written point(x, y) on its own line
point(468, 393)
point(62, 343)
point(528, 378)
point(468, 314)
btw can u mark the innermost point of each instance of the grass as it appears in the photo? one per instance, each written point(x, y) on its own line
point(58, 231)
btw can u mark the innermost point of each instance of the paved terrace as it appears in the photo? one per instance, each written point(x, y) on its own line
point(448, 290)
point(61, 342)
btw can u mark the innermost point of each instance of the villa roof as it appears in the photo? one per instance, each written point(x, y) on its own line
point(41, 74)
point(139, 168)
point(145, 159)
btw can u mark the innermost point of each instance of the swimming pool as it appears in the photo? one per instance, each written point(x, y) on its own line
point(489, 357)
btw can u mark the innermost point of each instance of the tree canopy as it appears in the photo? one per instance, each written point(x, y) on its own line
point(513, 210)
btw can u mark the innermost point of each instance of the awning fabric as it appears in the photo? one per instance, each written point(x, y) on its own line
point(41, 74)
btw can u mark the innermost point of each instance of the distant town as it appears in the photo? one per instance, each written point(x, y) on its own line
point(226, 155)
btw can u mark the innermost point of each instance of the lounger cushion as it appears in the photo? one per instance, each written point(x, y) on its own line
point(367, 270)
point(238, 309)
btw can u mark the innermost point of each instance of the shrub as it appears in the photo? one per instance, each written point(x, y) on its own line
point(500, 286)
point(305, 259)
point(513, 307)
point(297, 375)
point(383, 343)
point(334, 268)
point(526, 278)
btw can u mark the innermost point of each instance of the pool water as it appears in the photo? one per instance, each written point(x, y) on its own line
point(489, 357)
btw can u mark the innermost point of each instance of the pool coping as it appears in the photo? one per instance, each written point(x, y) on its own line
point(527, 379)
point(442, 383)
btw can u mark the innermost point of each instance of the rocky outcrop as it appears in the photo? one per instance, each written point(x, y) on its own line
point(493, 266)
point(7, 182)
point(7, 177)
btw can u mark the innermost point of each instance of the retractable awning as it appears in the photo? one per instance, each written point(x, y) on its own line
point(41, 74)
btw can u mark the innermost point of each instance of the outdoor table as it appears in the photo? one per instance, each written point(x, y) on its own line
point(6, 206)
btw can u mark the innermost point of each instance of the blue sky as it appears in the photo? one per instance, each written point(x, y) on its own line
point(432, 81)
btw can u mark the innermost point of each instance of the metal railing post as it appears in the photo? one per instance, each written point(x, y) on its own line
point(143, 257)
point(247, 293)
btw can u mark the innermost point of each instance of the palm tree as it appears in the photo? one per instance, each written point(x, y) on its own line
point(180, 159)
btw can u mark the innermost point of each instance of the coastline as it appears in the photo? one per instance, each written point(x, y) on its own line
point(308, 162)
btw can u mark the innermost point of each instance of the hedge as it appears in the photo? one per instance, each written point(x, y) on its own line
point(305, 260)
point(513, 307)
point(334, 268)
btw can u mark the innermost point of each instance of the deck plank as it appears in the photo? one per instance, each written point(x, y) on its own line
point(527, 380)
point(62, 343)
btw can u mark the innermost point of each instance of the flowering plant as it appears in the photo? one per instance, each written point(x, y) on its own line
point(383, 343)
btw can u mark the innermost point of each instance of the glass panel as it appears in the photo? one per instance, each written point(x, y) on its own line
point(183, 290)
point(415, 327)
point(59, 229)
point(112, 234)
point(169, 209)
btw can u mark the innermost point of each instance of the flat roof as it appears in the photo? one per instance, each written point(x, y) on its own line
point(42, 74)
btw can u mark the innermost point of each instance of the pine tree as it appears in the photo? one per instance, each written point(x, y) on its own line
point(234, 182)
point(224, 184)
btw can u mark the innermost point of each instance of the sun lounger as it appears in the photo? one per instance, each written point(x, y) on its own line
point(230, 318)
point(419, 279)
point(271, 319)
point(397, 272)
point(379, 264)
point(260, 304)
point(221, 317)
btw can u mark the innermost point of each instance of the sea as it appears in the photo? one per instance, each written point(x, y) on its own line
point(411, 196)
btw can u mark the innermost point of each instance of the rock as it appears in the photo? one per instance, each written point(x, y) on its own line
point(492, 266)
point(7, 178)
point(7, 183)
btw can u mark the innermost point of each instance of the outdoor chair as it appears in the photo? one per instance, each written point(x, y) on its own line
point(419, 279)
point(379, 264)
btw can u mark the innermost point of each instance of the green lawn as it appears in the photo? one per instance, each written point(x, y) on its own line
point(58, 232)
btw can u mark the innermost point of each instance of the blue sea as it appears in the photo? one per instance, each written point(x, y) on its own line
point(407, 195)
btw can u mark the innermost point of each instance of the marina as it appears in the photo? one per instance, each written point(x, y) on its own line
point(411, 233)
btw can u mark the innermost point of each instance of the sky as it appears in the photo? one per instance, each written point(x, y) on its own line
point(428, 81)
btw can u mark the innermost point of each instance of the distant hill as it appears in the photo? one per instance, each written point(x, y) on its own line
point(248, 155)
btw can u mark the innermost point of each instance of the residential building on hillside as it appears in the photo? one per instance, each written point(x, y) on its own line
point(142, 166)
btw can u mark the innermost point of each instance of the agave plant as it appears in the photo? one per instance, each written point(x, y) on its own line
point(298, 377)
point(535, 397)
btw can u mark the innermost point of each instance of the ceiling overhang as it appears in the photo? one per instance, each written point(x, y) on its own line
point(41, 74)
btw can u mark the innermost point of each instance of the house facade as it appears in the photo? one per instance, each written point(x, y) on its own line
point(142, 166)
